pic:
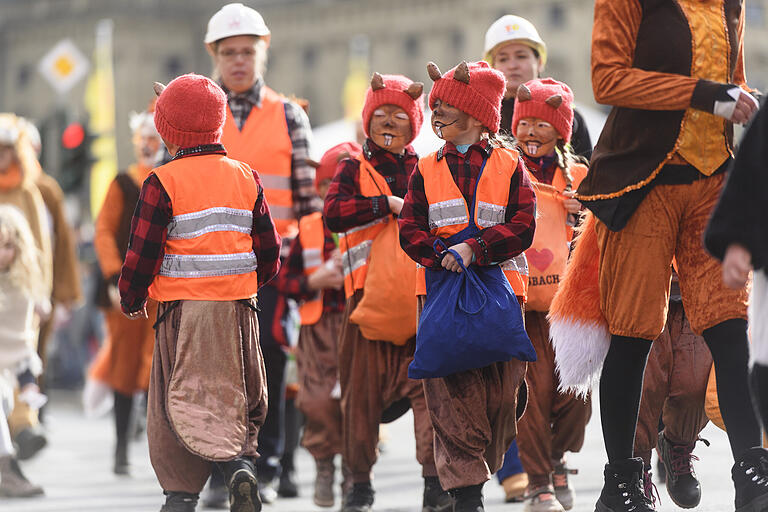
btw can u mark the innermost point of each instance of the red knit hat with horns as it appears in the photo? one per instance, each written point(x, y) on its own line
point(395, 90)
point(545, 99)
point(475, 88)
point(191, 111)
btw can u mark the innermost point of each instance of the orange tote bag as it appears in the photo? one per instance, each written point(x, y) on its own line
point(548, 253)
point(387, 310)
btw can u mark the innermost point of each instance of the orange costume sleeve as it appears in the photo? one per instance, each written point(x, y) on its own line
point(107, 224)
point(614, 80)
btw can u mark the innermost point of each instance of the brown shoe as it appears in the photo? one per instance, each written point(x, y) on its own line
point(514, 487)
point(324, 482)
point(13, 483)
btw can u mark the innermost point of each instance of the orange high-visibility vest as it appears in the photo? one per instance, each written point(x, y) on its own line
point(265, 144)
point(449, 214)
point(312, 239)
point(355, 244)
point(209, 250)
point(548, 254)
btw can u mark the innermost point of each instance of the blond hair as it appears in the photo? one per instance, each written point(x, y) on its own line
point(25, 271)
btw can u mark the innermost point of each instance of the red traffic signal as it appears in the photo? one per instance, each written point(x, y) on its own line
point(73, 136)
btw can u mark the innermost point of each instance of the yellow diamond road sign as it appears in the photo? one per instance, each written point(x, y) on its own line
point(63, 66)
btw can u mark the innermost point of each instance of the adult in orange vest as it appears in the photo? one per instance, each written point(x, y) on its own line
point(364, 195)
point(202, 252)
point(125, 358)
point(314, 277)
point(272, 135)
point(473, 186)
point(554, 421)
point(514, 47)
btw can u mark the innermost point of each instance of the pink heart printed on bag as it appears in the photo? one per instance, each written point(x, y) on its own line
point(540, 259)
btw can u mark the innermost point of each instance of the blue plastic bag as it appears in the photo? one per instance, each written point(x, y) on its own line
point(470, 320)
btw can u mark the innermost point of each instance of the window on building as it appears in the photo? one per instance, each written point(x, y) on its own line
point(309, 57)
point(457, 41)
point(174, 66)
point(412, 45)
point(557, 15)
point(23, 76)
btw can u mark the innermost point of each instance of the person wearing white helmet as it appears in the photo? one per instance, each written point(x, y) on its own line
point(514, 47)
point(271, 134)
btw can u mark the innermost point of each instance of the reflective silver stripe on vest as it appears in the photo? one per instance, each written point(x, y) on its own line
point(488, 214)
point(356, 256)
point(447, 213)
point(281, 212)
point(192, 225)
point(312, 258)
point(207, 265)
point(518, 264)
point(364, 226)
point(275, 182)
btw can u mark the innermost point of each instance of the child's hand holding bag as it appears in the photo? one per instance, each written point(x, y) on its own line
point(471, 319)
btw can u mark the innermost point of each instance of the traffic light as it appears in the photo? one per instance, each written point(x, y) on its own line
point(76, 157)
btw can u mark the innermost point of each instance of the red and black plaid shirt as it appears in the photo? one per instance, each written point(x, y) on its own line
point(491, 245)
point(345, 208)
point(292, 281)
point(543, 169)
point(149, 230)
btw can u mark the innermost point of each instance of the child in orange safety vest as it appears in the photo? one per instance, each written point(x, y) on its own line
point(202, 243)
point(474, 412)
point(554, 421)
point(373, 372)
point(313, 275)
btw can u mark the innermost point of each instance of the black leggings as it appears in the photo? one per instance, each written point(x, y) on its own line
point(730, 350)
point(621, 385)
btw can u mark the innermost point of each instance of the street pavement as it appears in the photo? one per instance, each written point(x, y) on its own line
point(76, 471)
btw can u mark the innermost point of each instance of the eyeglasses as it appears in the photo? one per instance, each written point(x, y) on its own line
point(230, 54)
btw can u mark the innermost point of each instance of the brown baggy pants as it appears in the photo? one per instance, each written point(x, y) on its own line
point(674, 386)
point(318, 368)
point(554, 422)
point(474, 416)
point(207, 390)
point(374, 375)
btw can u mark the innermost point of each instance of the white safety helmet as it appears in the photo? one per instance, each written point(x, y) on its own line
point(235, 20)
point(510, 29)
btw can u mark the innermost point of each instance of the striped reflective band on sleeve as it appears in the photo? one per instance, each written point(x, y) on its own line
point(356, 256)
point(192, 225)
point(208, 265)
point(312, 258)
point(518, 264)
point(490, 214)
point(280, 212)
point(447, 213)
point(271, 181)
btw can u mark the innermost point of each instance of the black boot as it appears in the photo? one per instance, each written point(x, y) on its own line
point(623, 488)
point(179, 502)
point(468, 499)
point(360, 499)
point(240, 475)
point(123, 408)
point(750, 477)
point(682, 485)
point(287, 487)
point(435, 498)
